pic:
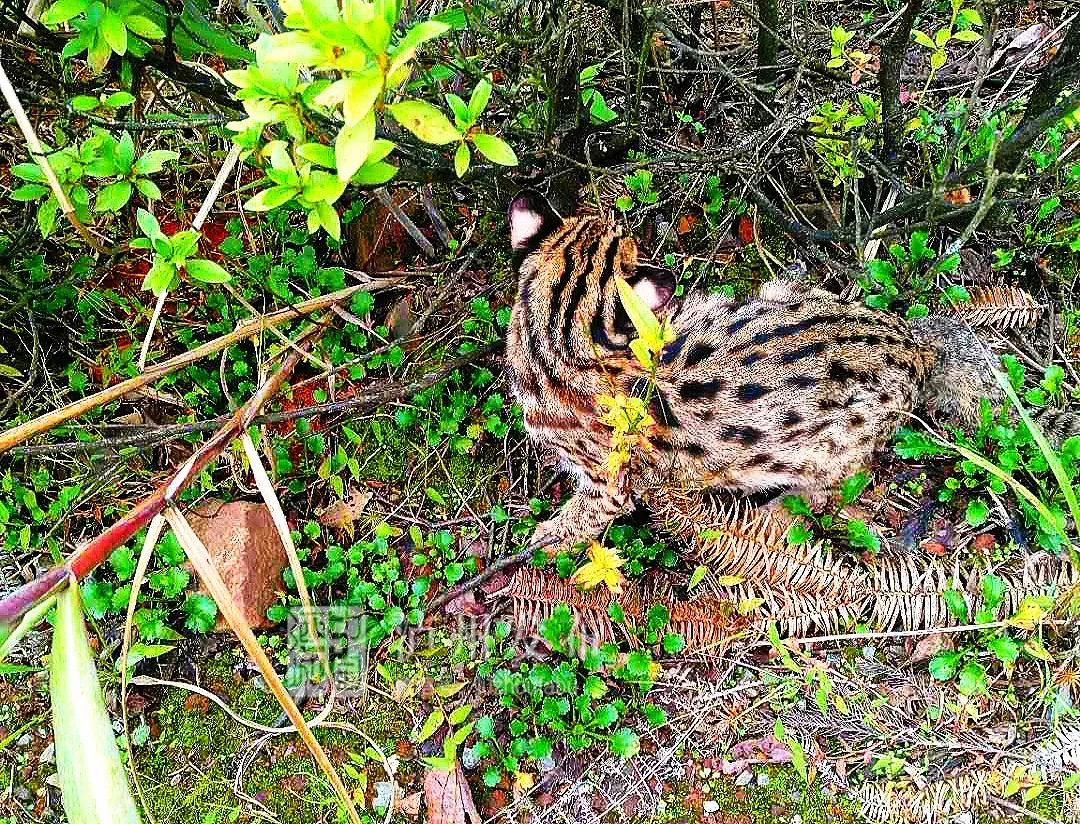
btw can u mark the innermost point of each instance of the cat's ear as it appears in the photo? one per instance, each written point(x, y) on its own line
point(653, 285)
point(531, 219)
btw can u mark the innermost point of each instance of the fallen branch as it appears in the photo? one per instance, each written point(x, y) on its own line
point(160, 434)
point(94, 552)
point(247, 329)
point(480, 579)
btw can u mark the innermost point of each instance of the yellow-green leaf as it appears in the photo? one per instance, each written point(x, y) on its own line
point(425, 121)
point(353, 145)
point(645, 322)
point(461, 159)
point(93, 783)
point(495, 149)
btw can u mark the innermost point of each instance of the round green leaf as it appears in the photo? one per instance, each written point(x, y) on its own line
point(84, 103)
point(62, 11)
point(114, 196)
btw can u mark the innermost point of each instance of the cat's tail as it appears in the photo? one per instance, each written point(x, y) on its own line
point(963, 375)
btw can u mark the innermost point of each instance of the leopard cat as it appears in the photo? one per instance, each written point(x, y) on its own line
point(789, 391)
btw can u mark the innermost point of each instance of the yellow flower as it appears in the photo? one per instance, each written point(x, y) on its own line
point(602, 568)
point(630, 426)
point(524, 781)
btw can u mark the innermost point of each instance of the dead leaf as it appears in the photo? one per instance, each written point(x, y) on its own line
point(400, 321)
point(929, 646)
point(686, 224)
point(342, 515)
point(958, 197)
point(448, 797)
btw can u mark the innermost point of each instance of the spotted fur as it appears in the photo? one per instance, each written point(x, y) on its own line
point(788, 390)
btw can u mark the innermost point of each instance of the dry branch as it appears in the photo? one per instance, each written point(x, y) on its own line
point(94, 552)
point(247, 329)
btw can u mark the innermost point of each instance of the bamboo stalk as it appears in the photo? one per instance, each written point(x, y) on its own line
point(95, 551)
point(247, 329)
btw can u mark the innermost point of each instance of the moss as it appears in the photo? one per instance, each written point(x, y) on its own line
point(776, 802)
point(187, 770)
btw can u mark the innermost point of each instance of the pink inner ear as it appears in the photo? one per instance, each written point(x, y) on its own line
point(654, 296)
point(524, 223)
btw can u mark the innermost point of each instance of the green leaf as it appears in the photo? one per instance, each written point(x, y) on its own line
point(113, 197)
point(625, 743)
point(967, 36)
point(92, 779)
point(853, 487)
point(148, 223)
point(207, 271)
point(29, 191)
point(84, 103)
point(62, 11)
point(119, 99)
point(993, 591)
point(154, 160)
point(479, 99)
point(114, 31)
point(425, 122)
point(673, 643)
point(123, 563)
point(972, 678)
point(170, 582)
point(271, 198)
point(46, 215)
point(1005, 648)
point(318, 154)
point(148, 187)
point(462, 156)
point(540, 748)
point(495, 149)
point(977, 512)
point(956, 603)
point(943, 665)
point(201, 612)
point(125, 153)
point(697, 576)
point(352, 146)
point(432, 723)
point(375, 174)
point(29, 171)
point(654, 715)
point(144, 27)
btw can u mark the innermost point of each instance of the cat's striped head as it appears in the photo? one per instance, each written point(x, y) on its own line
point(567, 269)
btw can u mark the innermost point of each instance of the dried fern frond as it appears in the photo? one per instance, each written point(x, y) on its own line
point(751, 543)
point(1058, 754)
point(705, 623)
point(534, 594)
point(906, 593)
point(939, 801)
point(794, 613)
point(999, 307)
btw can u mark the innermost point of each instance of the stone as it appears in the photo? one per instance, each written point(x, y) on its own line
point(246, 549)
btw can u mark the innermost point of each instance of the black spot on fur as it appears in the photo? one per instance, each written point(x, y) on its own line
point(753, 357)
point(695, 450)
point(780, 467)
point(856, 421)
point(697, 390)
point(744, 435)
point(672, 350)
point(801, 381)
point(757, 460)
point(749, 392)
point(809, 350)
point(735, 327)
point(840, 373)
point(792, 419)
point(698, 352)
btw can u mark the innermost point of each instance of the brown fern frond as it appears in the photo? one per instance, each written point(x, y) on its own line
point(999, 307)
point(534, 594)
point(906, 593)
point(939, 801)
point(705, 623)
point(751, 543)
point(1058, 754)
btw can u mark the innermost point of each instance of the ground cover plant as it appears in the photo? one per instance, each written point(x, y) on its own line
point(257, 254)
